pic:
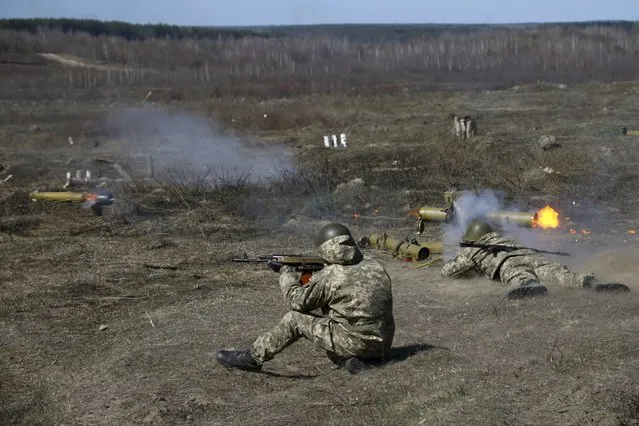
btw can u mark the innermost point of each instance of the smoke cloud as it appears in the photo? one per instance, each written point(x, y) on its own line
point(473, 206)
point(179, 140)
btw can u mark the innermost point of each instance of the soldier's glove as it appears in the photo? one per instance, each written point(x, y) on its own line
point(274, 266)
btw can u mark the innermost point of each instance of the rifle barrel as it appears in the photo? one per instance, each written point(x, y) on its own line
point(500, 247)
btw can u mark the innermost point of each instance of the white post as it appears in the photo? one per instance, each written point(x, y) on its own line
point(327, 142)
point(334, 137)
point(342, 139)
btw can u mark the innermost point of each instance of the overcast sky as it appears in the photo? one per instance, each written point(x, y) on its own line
point(284, 12)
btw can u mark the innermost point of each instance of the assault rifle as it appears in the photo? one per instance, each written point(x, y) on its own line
point(495, 248)
point(307, 265)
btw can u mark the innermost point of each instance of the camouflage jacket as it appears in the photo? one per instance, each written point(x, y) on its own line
point(483, 261)
point(353, 291)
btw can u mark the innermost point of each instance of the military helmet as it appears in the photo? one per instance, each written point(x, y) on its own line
point(476, 230)
point(331, 230)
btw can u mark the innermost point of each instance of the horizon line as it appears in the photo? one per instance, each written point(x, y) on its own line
point(588, 21)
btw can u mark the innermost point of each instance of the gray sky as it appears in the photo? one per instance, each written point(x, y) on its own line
point(283, 12)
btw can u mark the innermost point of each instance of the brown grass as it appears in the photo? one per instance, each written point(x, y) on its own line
point(156, 270)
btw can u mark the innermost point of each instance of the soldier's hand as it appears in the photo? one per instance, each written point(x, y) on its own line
point(274, 266)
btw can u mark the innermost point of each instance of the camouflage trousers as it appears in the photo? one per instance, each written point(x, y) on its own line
point(322, 331)
point(517, 270)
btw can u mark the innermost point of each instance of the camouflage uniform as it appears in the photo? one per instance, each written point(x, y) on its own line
point(355, 297)
point(514, 268)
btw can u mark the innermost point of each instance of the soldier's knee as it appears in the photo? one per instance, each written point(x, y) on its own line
point(292, 317)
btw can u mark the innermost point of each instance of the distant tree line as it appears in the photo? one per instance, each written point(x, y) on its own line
point(372, 33)
point(305, 60)
point(126, 30)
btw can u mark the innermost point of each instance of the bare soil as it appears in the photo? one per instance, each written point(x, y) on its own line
point(116, 319)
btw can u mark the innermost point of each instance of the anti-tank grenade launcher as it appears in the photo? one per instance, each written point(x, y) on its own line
point(544, 218)
point(403, 249)
point(95, 200)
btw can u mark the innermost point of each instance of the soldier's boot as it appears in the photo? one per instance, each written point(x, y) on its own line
point(351, 364)
point(612, 288)
point(592, 283)
point(242, 360)
point(528, 289)
point(354, 365)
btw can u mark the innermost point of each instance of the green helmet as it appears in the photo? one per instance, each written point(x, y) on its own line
point(476, 230)
point(331, 230)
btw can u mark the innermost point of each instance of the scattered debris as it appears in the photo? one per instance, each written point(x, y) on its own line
point(150, 320)
point(606, 151)
point(160, 243)
point(547, 142)
point(169, 267)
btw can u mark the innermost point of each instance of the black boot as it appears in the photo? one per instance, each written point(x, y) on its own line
point(238, 359)
point(351, 364)
point(529, 289)
point(592, 283)
point(354, 365)
point(611, 288)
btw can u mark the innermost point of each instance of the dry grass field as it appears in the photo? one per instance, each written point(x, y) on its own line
point(115, 319)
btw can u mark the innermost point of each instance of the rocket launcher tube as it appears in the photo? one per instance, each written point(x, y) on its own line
point(397, 247)
point(521, 219)
point(432, 214)
point(497, 217)
point(68, 197)
point(435, 247)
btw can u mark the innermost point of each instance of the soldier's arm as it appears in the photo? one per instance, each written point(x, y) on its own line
point(303, 298)
point(458, 267)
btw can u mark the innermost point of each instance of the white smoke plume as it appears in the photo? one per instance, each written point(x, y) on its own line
point(473, 206)
point(187, 142)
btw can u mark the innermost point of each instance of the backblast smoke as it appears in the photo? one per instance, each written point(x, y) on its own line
point(194, 145)
point(473, 206)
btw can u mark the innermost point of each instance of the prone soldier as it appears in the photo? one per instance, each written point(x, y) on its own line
point(522, 269)
point(354, 296)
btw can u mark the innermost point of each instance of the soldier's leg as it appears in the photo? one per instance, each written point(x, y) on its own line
point(292, 327)
point(519, 276)
point(561, 275)
point(554, 272)
point(515, 272)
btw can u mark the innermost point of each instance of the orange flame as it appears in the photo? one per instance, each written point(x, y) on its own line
point(546, 218)
point(632, 231)
point(572, 232)
point(585, 231)
point(355, 216)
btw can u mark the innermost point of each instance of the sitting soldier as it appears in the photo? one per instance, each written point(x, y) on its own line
point(355, 298)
